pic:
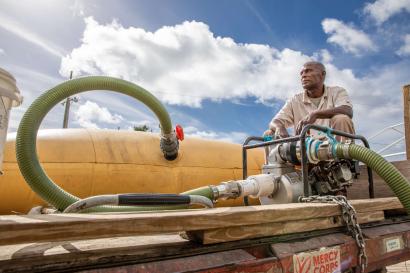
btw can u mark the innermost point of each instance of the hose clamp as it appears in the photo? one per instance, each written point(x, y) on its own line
point(345, 150)
point(169, 136)
point(169, 145)
point(215, 192)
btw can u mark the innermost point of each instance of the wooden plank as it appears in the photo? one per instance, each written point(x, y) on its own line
point(406, 100)
point(359, 189)
point(403, 267)
point(57, 256)
point(57, 227)
point(228, 234)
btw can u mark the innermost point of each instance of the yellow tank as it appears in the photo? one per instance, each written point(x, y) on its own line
point(87, 162)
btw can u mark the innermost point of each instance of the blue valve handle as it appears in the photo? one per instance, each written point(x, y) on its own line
point(267, 138)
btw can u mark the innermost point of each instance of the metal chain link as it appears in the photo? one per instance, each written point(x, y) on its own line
point(349, 216)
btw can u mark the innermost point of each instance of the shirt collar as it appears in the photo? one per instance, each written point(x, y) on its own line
point(306, 99)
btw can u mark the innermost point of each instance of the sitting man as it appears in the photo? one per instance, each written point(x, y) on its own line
point(318, 104)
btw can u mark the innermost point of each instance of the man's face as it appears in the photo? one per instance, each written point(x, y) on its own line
point(312, 76)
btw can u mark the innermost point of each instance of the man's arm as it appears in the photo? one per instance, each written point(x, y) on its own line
point(324, 114)
point(329, 113)
point(281, 120)
point(277, 127)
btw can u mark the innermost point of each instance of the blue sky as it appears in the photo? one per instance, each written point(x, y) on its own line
point(222, 68)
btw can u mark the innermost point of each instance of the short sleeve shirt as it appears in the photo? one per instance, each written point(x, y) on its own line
point(300, 105)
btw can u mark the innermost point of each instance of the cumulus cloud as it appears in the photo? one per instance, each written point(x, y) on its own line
point(90, 113)
point(381, 10)
point(186, 64)
point(348, 37)
point(323, 55)
point(236, 137)
point(404, 50)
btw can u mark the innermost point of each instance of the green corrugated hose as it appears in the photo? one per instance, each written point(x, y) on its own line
point(26, 150)
point(387, 171)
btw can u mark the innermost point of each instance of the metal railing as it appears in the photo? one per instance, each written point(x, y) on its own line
point(388, 146)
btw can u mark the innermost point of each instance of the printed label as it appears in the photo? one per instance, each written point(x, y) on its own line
point(393, 244)
point(326, 260)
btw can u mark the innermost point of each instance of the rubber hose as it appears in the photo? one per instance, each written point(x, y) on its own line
point(26, 150)
point(152, 199)
point(138, 199)
point(387, 171)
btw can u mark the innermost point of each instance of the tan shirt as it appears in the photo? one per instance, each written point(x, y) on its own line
point(300, 105)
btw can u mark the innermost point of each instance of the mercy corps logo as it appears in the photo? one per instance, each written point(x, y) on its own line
point(326, 260)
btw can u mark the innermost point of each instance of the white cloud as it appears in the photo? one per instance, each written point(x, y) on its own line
point(404, 50)
point(89, 114)
point(323, 55)
point(348, 37)
point(2, 51)
point(16, 28)
point(186, 63)
point(235, 137)
point(78, 8)
point(381, 10)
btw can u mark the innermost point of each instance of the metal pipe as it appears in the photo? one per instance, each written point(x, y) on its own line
point(390, 145)
point(245, 161)
point(393, 127)
point(270, 142)
point(395, 154)
point(67, 107)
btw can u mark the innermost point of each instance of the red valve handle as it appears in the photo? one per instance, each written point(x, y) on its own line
point(179, 131)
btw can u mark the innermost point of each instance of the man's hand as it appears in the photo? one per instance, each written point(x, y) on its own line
point(309, 119)
point(277, 128)
point(280, 131)
point(269, 132)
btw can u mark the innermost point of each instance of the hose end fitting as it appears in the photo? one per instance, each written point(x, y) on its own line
point(169, 145)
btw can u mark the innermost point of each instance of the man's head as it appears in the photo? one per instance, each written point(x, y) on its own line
point(312, 75)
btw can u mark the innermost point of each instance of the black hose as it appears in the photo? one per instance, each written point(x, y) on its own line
point(134, 199)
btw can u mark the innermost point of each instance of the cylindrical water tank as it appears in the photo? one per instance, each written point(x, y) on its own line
point(87, 162)
point(9, 96)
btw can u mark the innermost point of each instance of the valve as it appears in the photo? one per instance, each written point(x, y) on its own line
point(179, 131)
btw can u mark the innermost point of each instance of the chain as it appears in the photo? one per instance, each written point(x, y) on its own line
point(349, 216)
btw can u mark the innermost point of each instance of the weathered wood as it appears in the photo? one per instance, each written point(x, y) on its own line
point(57, 227)
point(57, 256)
point(62, 255)
point(227, 234)
point(75, 255)
point(359, 189)
point(406, 101)
point(403, 267)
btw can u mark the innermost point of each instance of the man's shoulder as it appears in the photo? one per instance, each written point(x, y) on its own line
point(296, 97)
point(335, 89)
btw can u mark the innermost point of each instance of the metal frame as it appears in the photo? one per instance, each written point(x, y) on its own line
point(304, 159)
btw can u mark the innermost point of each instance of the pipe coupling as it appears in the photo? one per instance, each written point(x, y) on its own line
point(169, 145)
point(227, 190)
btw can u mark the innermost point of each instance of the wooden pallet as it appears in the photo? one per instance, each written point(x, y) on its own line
point(204, 225)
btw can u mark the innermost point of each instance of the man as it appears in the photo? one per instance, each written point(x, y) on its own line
point(318, 104)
